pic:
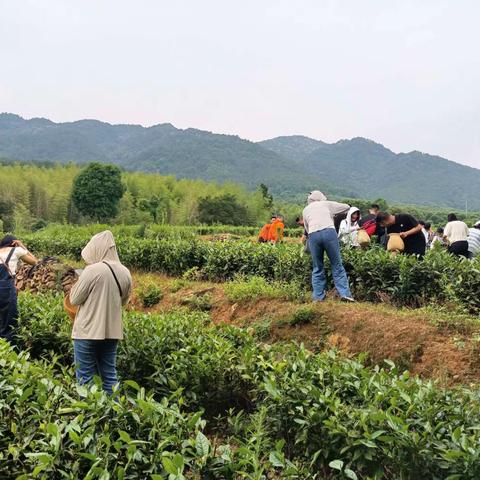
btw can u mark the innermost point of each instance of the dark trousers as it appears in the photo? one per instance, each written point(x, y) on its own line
point(459, 248)
point(8, 310)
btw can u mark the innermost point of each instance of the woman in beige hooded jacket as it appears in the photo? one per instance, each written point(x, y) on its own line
point(100, 292)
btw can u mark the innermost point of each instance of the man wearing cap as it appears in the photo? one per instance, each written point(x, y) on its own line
point(322, 237)
point(474, 240)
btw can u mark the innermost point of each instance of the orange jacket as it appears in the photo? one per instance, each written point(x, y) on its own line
point(276, 231)
point(265, 232)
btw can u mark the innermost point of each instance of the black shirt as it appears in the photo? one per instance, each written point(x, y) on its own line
point(414, 244)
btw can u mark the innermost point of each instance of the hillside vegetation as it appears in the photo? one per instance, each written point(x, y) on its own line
point(290, 166)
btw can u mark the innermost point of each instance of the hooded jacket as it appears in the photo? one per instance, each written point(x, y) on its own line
point(347, 232)
point(318, 214)
point(97, 294)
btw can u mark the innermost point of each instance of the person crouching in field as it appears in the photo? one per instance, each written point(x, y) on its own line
point(100, 292)
point(264, 235)
point(11, 251)
point(277, 228)
point(322, 237)
point(348, 231)
point(409, 229)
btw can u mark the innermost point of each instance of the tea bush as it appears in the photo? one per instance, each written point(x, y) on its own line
point(150, 295)
point(243, 289)
point(48, 431)
point(310, 412)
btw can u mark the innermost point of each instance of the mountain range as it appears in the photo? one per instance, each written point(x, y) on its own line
point(289, 165)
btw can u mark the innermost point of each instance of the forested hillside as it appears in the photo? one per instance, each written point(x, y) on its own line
point(31, 196)
point(290, 166)
point(161, 149)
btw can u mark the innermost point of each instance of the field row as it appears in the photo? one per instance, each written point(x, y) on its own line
point(374, 274)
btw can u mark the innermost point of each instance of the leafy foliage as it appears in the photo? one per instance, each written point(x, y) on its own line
point(97, 190)
point(224, 210)
point(285, 409)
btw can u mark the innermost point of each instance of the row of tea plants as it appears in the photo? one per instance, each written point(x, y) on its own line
point(374, 274)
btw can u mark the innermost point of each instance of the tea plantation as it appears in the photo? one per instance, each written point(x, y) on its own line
point(203, 401)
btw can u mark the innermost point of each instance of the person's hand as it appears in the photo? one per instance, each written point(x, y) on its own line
point(18, 243)
point(403, 235)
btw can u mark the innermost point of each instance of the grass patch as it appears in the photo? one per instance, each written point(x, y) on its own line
point(253, 288)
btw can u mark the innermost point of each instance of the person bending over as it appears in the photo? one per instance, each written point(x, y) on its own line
point(408, 228)
point(322, 237)
point(456, 233)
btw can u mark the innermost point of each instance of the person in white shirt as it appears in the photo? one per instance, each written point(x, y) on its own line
point(474, 240)
point(349, 227)
point(322, 237)
point(11, 251)
point(456, 233)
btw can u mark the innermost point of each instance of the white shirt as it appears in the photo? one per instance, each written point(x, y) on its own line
point(456, 231)
point(425, 234)
point(348, 234)
point(318, 215)
point(18, 253)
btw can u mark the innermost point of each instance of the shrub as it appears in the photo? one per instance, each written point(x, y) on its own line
point(150, 295)
point(302, 316)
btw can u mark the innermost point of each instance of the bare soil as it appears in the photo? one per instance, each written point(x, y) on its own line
point(409, 338)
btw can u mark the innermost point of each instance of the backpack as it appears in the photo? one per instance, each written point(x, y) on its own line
point(370, 226)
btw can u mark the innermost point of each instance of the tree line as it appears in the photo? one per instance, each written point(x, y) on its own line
point(32, 196)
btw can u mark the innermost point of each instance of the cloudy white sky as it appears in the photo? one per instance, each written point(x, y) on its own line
point(405, 73)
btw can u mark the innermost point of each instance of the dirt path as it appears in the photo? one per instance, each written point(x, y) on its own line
point(409, 338)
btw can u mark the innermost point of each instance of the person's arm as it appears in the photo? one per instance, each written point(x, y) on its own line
point(447, 232)
point(305, 222)
point(412, 231)
point(82, 288)
point(336, 207)
point(27, 257)
point(127, 293)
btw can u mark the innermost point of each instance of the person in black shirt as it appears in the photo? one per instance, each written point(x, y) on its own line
point(408, 228)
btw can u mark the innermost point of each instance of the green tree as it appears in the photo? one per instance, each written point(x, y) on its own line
point(267, 196)
point(97, 190)
point(224, 210)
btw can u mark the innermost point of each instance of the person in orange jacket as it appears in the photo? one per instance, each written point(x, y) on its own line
point(264, 235)
point(276, 229)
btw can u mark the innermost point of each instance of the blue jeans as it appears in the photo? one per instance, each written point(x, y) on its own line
point(96, 357)
point(327, 241)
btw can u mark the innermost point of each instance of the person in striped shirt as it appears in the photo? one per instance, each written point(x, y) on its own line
point(474, 240)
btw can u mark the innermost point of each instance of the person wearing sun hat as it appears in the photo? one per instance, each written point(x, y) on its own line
point(474, 240)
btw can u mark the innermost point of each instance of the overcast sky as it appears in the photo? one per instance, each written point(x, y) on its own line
point(403, 73)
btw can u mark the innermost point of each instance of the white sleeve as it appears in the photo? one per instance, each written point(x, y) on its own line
point(20, 252)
